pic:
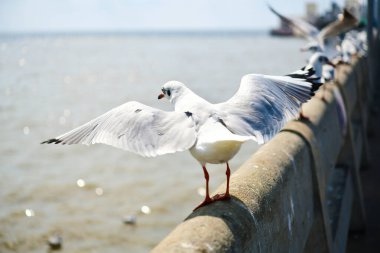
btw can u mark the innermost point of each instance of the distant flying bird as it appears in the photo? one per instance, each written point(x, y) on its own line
point(212, 132)
point(324, 40)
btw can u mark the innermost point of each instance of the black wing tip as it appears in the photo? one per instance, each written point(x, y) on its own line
point(308, 76)
point(307, 73)
point(315, 81)
point(310, 71)
point(55, 141)
point(315, 87)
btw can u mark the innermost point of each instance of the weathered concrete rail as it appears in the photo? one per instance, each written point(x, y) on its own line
point(301, 191)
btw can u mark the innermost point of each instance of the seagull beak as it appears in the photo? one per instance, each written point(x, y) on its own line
point(161, 96)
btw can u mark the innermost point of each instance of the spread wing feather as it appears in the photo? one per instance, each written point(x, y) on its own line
point(263, 104)
point(136, 127)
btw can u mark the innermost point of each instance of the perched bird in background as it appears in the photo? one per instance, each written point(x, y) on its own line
point(213, 133)
point(347, 49)
point(362, 42)
point(324, 40)
point(352, 44)
point(323, 70)
point(323, 67)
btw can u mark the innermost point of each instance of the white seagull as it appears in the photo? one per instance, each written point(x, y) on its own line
point(324, 69)
point(212, 132)
point(322, 66)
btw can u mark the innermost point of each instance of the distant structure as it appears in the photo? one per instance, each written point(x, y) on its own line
point(329, 16)
point(311, 16)
point(283, 30)
point(311, 12)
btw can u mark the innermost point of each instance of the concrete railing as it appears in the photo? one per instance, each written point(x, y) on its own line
point(301, 191)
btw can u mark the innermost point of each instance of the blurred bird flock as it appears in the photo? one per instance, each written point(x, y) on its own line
point(80, 199)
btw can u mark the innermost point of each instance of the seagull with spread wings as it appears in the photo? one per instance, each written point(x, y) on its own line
point(213, 133)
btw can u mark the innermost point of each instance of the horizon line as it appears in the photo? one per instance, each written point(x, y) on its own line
point(140, 32)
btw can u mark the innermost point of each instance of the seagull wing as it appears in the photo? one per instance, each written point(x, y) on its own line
point(138, 128)
point(307, 30)
point(263, 104)
point(330, 47)
point(347, 22)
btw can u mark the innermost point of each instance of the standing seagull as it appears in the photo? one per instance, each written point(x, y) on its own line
point(212, 132)
point(322, 66)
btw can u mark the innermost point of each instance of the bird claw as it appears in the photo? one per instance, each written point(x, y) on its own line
point(217, 197)
point(205, 202)
point(223, 196)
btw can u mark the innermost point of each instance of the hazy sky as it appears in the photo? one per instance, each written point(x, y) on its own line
point(116, 15)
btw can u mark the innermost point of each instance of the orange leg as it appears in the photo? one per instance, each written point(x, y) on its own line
point(226, 195)
point(207, 199)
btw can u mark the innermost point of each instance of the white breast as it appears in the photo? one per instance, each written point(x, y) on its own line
point(216, 144)
point(217, 152)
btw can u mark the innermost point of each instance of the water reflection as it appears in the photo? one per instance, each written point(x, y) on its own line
point(99, 191)
point(145, 209)
point(29, 212)
point(81, 183)
point(201, 191)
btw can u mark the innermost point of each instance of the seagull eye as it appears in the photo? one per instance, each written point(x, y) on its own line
point(168, 92)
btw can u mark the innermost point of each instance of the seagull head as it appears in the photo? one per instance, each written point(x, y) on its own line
point(172, 90)
point(317, 60)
